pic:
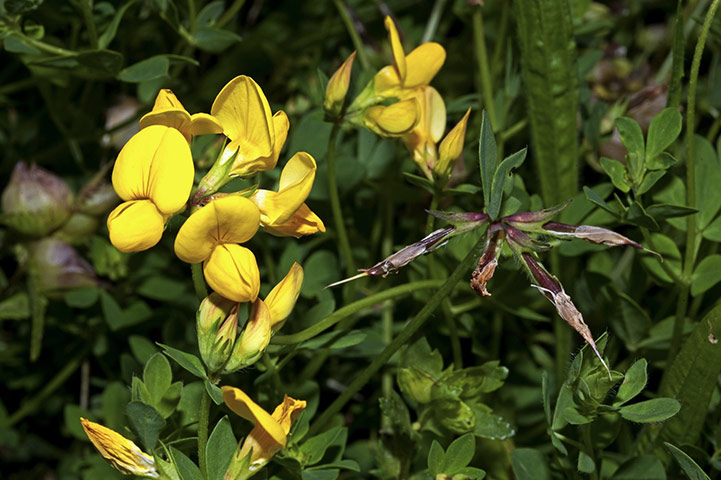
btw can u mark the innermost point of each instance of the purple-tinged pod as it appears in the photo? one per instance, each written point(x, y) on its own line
point(525, 242)
point(532, 221)
point(590, 233)
point(488, 262)
point(552, 289)
point(56, 267)
point(463, 221)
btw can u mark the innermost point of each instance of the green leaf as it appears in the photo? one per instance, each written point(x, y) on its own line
point(220, 449)
point(162, 288)
point(210, 13)
point(146, 422)
point(662, 211)
point(487, 157)
point(689, 467)
point(72, 414)
point(650, 411)
point(15, 307)
point(664, 161)
point(115, 398)
point(335, 340)
point(529, 464)
point(459, 454)
point(185, 466)
point(585, 463)
point(500, 177)
point(422, 182)
point(663, 131)
point(633, 382)
point(16, 44)
point(157, 377)
point(594, 198)
point(646, 467)
point(83, 297)
point(713, 231)
point(436, 457)
point(708, 179)
point(142, 348)
point(189, 362)
point(315, 447)
point(617, 171)
point(214, 40)
point(706, 274)
point(109, 34)
point(632, 138)
point(637, 215)
point(649, 180)
point(148, 69)
point(216, 394)
point(668, 249)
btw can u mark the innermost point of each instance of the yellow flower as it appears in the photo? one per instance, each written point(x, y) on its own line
point(121, 453)
point(170, 112)
point(393, 120)
point(284, 212)
point(281, 300)
point(212, 234)
point(337, 87)
point(153, 175)
point(256, 335)
point(451, 148)
point(408, 71)
point(421, 141)
point(256, 136)
point(270, 432)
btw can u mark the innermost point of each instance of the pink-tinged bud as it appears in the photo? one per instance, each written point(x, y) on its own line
point(35, 201)
point(55, 267)
point(97, 197)
point(337, 87)
point(532, 221)
point(212, 311)
point(523, 242)
point(552, 289)
point(487, 263)
point(255, 339)
point(463, 221)
point(591, 234)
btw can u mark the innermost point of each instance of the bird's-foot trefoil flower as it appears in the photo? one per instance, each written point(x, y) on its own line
point(212, 235)
point(422, 140)
point(255, 136)
point(170, 112)
point(153, 175)
point(123, 454)
point(268, 437)
point(284, 213)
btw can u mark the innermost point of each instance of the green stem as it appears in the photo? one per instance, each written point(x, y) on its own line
point(38, 304)
point(355, 38)
point(499, 50)
point(342, 234)
point(86, 9)
point(588, 448)
point(196, 270)
point(37, 400)
point(486, 87)
point(230, 13)
point(433, 21)
point(203, 418)
point(387, 313)
point(410, 329)
point(352, 309)
point(691, 231)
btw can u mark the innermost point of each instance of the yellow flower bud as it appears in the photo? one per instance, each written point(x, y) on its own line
point(337, 87)
point(281, 300)
point(124, 455)
point(255, 338)
point(451, 148)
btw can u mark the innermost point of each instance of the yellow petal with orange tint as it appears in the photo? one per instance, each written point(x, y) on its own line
point(302, 222)
point(232, 271)
point(281, 300)
point(243, 405)
point(135, 226)
point(123, 454)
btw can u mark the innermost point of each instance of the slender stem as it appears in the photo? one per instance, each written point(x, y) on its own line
point(486, 87)
point(38, 303)
point(410, 329)
point(352, 309)
point(196, 270)
point(37, 400)
point(433, 21)
point(343, 243)
point(86, 9)
point(203, 418)
point(691, 231)
point(455, 338)
point(431, 220)
point(387, 313)
point(499, 50)
point(230, 13)
point(664, 266)
point(355, 38)
point(588, 448)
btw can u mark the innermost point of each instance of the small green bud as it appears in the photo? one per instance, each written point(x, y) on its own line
point(415, 384)
point(217, 323)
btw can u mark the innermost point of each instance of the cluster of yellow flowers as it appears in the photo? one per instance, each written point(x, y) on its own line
point(154, 175)
point(418, 116)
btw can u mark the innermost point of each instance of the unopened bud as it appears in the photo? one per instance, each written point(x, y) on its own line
point(532, 221)
point(35, 201)
point(123, 454)
point(415, 384)
point(450, 149)
point(337, 87)
point(591, 234)
point(520, 241)
point(97, 197)
point(281, 300)
point(462, 221)
point(217, 324)
point(55, 267)
point(254, 340)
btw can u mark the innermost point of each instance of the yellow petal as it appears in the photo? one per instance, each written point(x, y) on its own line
point(245, 166)
point(451, 147)
point(232, 271)
point(204, 124)
point(386, 82)
point(242, 405)
point(135, 226)
point(296, 182)
point(399, 56)
point(393, 120)
point(288, 411)
point(178, 119)
point(281, 300)
point(230, 219)
point(121, 453)
point(337, 87)
point(167, 99)
point(256, 335)
point(421, 141)
point(302, 222)
point(423, 64)
point(244, 113)
point(155, 164)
